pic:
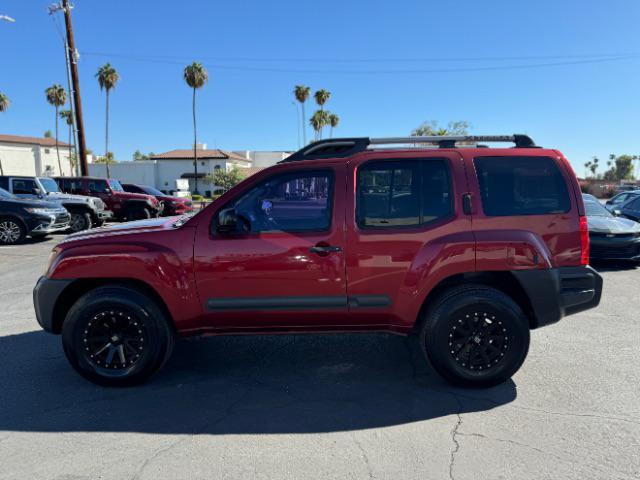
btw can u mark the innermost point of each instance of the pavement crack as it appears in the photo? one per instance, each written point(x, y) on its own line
point(454, 439)
point(365, 457)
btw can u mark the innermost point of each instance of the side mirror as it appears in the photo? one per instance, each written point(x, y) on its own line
point(36, 191)
point(617, 212)
point(108, 191)
point(227, 221)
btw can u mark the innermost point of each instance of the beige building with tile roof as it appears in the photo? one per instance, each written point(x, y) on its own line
point(33, 156)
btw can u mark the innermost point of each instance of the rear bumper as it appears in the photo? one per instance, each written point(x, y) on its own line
point(557, 292)
point(45, 295)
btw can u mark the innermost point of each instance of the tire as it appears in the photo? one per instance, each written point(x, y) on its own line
point(468, 320)
point(80, 221)
point(116, 336)
point(137, 214)
point(12, 231)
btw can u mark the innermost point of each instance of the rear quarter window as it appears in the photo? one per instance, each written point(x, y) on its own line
point(517, 185)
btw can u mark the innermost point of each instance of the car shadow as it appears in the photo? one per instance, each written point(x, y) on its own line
point(614, 265)
point(242, 384)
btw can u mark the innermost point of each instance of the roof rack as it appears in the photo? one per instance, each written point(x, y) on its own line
point(344, 147)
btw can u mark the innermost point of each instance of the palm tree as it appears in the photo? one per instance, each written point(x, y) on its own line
point(302, 93)
point(4, 102)
point(67, 116)
point(107, 78)
point(318, 121)
point(196, 76)
point(334, 120)
point(56, 96)
point(322, 96)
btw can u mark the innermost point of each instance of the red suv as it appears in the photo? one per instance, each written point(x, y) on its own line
point(469, 248)
point(124, 205)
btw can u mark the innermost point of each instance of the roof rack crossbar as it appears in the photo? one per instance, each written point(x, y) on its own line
point(344, 147)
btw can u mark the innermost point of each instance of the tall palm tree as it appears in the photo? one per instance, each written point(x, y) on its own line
point(322, 96)
point(4, 102)
point(67, 116)
point(302, 93)
point(334, 120)
point(107, 78)
point(56, 96)
point(318, 121)
point(196, 76)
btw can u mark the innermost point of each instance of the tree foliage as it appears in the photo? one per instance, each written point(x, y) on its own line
point(106, 159)
point(138, 155)
point(620, 167)
point(4, 102)
point(225, 179)
point(431, 127)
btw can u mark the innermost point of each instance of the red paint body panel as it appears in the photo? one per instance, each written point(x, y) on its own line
point(191, 264)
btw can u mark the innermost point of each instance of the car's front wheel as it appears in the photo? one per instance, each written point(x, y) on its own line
point(12, 231)
point(116, 336)
point(475, 336)
point(80, 221)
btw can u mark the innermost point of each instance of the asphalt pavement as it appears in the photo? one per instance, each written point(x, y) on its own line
point(322, 406)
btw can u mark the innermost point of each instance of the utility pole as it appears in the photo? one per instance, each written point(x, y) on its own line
point(71, 45)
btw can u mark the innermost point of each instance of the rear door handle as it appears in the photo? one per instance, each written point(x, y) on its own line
point(320, 249)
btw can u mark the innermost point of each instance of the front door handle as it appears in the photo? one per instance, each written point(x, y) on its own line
point(325, 249)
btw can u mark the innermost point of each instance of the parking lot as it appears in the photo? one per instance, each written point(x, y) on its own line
point(343, 406)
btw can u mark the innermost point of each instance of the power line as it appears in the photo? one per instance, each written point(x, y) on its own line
point(576, 61)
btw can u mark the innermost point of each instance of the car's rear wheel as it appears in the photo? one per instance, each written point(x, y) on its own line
point(80, 221)
point(116, 336)
point(12, 231)
point(475, 336)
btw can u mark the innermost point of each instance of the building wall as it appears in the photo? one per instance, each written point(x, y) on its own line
point(26, 159)
point(263, 159)
point(161, 174)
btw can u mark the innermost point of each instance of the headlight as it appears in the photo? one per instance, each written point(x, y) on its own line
point(42, 211)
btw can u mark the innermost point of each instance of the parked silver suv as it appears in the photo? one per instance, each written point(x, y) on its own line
point(86, 212)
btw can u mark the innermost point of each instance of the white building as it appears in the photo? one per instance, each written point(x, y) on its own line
point(33, 156)
point(262, 158)
point(162, 170)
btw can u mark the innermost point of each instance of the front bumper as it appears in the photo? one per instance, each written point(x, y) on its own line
point(557, 292)
point(45, 224)
point(104, 215)
point(45, 296)
point(616, 247)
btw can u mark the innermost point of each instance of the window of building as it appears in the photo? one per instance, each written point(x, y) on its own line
point(293, 202)
point(403, 193)
point(521, 186)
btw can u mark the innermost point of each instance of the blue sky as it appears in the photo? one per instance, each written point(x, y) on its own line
point(257, 51)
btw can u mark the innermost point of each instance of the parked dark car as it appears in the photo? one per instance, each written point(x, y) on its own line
point(172, 205)
point(470, 248)
point(630, 209)
point(611, 237)
point(615, 202)
point(21, 217)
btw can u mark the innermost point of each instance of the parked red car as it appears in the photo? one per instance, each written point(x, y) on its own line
point(124, 205)
point(470, 248)
point(171, 205)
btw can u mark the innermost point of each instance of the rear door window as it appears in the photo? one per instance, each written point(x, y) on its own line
point(513, 186)
point(402, 193)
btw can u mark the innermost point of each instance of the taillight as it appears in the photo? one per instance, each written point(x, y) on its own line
point(584, 241)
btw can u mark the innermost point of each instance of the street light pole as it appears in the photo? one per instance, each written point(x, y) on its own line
point(73, 57)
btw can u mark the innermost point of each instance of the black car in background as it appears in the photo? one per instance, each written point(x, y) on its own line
point(611, 237)
point(630, 209)
point(22, 217)
point(616, 202)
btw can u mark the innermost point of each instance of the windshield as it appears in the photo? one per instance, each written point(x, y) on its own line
point(151, 191)
point(5, 194)
point(115, 185)
point(595, 209)
point(49, 185)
